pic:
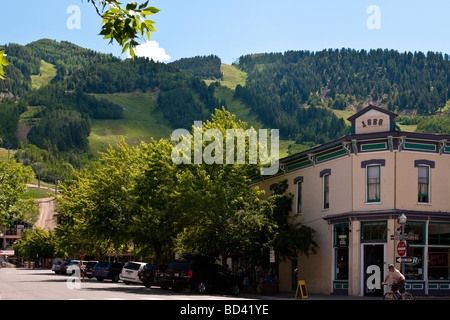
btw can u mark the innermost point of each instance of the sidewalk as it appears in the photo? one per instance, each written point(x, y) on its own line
point(291, 296)
point(329, 297)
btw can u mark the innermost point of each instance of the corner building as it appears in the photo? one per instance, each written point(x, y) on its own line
point(353, 190)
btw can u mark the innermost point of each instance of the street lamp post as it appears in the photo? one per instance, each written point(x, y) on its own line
point(402, 220)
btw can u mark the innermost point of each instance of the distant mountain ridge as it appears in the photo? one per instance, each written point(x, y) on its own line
point(298, 92)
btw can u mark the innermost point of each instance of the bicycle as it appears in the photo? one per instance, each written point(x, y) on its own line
point(395, 295)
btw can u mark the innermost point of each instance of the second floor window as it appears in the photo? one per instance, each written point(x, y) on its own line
point(299, 197)
point(373, 184)
point(424, 184)
point(326, 191)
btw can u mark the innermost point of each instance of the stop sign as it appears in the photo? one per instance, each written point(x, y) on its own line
point(401, 248)
point(81, 255)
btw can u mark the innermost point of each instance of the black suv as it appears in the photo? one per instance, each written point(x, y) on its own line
point(199, 273)
point(147, 275)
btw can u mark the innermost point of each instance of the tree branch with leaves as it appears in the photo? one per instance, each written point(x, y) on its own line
point(123, 25)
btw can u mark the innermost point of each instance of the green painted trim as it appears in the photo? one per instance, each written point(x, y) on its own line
point(331, 155)
point(374, 146)
point(420, 146)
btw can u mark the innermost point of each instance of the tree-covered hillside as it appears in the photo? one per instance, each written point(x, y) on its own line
point(280, 84)
point(206, 67)
point(298, 92)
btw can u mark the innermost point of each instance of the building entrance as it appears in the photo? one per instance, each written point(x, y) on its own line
point(373, 256)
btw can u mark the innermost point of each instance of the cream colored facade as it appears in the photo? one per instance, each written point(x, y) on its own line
point(373, 177)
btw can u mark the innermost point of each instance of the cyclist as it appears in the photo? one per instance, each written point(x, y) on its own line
point(397, 279)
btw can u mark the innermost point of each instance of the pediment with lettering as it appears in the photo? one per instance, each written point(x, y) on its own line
point(372, 119)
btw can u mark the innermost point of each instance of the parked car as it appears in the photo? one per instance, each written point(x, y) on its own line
point(56, 267)
point(107, 270)
point(72, 267)
point(131, 272)
point(149, 271)
point(199, 273)
point(89, 265)
point(63, 267)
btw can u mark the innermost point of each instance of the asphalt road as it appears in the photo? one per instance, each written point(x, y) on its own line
point(27, 284)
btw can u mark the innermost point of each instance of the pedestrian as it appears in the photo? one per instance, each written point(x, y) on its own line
point(82, 269)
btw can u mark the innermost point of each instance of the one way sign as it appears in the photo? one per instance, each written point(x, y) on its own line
point(412, 260)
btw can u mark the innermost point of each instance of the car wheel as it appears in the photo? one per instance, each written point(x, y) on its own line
point(115, 278)
point(235, 289)
point(201, 287)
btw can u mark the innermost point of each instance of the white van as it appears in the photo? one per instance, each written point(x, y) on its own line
point(131, 272)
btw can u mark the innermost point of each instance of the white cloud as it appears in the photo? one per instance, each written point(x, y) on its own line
point(151, 50)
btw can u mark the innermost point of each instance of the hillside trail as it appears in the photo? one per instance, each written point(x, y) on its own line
point(47, 215)
point(46, 219)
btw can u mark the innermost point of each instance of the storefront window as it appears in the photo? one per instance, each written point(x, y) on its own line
point(439, 233)
point(342, 264)
point(416, 228)
point(414, 270)
point(341, 250)
point(374, 231)
point(438, 266)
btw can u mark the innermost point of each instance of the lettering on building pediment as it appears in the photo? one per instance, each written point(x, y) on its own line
point(373, 119)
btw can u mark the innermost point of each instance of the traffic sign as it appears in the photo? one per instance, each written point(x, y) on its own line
point(81, 255)
point(409, 260)
point(401, 248)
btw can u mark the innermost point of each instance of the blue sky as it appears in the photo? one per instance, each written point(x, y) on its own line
point(231, 28)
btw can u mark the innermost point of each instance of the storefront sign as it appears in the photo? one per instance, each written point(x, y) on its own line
point(343, 241)
point(6, 252)
point(438, 259)
point(301, 286)
point(401, 248)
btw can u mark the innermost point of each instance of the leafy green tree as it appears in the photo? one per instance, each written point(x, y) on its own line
point(36, 242)
point(98, 205)
point(221, 212)
point(14, 178)
point(292, 237)
point(156, 219)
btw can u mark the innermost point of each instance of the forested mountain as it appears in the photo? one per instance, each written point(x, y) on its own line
point(206, 67)
point(280, 84)
point(298, 92)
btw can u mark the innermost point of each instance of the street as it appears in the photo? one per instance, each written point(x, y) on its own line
point(27, 284)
